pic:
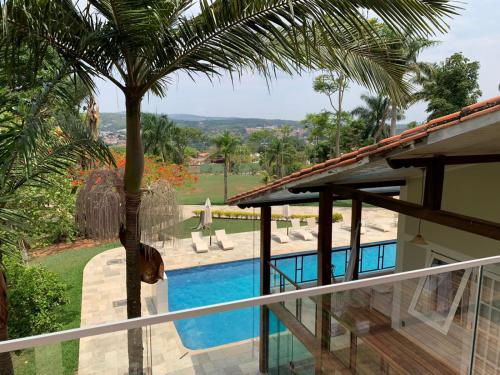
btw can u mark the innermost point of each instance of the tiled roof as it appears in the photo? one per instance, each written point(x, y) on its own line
point(408, 136)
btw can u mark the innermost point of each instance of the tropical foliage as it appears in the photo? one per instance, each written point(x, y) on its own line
point(449, 86)
point(228, 146)
point(163, 138)
point(35, 296)
point(375, 113)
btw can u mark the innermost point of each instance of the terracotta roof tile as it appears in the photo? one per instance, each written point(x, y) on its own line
point(405, 138)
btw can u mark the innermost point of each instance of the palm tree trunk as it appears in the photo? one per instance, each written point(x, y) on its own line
point(225, 178)
point(394, 118)
point(6, 367)
point(134, 169)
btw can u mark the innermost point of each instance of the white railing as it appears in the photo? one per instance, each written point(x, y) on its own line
point(77, 333)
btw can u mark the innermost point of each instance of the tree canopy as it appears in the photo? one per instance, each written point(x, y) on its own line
point(450, 85)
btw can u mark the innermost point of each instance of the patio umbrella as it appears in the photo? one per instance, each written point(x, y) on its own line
point(286, 214)
point(207, 217)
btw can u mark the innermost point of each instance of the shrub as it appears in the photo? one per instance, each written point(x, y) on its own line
point(244, 215)
point(50, 211)
point(34, 296)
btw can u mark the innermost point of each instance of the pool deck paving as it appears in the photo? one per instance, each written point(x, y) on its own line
point(104, 301)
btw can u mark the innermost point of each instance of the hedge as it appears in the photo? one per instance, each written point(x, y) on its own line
point(244, 215)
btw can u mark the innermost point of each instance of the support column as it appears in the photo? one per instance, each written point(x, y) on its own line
point(265, 286)
point(356, 212)
point(323, 325)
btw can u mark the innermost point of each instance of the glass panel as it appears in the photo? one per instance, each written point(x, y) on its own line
point(287, 354)
point(487, 344)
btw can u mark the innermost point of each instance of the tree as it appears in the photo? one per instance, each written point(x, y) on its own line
point(41, 133)
point(282, 155)
point(163, 138)
point(450, 85)
point(140, 44)
point(374, 113)
point(227, 146)
point(330, 85)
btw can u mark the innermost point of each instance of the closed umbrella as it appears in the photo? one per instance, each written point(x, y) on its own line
point(207, 217)
point(286, 214)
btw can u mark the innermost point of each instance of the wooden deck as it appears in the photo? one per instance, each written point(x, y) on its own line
point(375, 347)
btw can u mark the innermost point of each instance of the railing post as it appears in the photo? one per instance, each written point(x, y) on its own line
point(265, 286)
point(476, 319)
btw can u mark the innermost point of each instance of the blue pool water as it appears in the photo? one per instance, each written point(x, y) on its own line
point(218, 283)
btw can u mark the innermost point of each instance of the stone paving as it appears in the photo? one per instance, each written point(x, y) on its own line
point(103, 301)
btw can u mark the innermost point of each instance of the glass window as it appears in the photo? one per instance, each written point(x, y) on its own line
point(439, 299)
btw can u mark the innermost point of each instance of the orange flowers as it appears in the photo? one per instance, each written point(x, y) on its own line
point(177, 175)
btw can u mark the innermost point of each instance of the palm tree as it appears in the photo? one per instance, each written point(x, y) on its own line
point(158, 133)
point(37, 138)
point(227, 146)
point(374, 113)
point(139, 45)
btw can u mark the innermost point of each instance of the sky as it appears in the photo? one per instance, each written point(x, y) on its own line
point(475, 33)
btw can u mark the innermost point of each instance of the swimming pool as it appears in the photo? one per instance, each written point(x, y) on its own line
point(224, 282)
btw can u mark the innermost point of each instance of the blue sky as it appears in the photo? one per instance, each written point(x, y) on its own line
point(476, 33)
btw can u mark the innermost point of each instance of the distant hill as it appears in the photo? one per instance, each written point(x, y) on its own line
point(112, 122)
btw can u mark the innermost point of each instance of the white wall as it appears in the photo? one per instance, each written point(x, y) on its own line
point(472, 190)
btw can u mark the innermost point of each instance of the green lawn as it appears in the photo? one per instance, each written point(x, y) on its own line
point(69, 266)
point(212, 186)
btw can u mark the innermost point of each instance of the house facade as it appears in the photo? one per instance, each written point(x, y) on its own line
point(442, 179)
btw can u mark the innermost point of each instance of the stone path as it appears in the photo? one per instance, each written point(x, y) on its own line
point(103, 301)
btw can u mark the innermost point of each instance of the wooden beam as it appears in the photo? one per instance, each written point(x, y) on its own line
point(356, 214)
point(265, 286)
point(359, 185)
point(279, 202)
point(447, 160)
point(465, 223)
point(330, 363)
point(434, 179)
point(323, 325)
point(325, 222)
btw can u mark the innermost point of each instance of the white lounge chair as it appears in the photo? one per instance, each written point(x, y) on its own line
point(297, 231)
point(379, 226)
point(224, 242)
point(312, 226)
point(200, 245)
point(277, 234)
point(348, 228)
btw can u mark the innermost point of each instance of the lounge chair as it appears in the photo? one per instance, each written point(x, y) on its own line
point(297, 231)
point(224, 242)
point(200, 246)
point(277, 234)
point(312, 226)
point(379, 226)
point(348, 228)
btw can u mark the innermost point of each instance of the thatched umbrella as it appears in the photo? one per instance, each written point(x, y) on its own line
point(100, 215)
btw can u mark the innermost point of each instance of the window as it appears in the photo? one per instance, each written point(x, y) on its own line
point(442, 299)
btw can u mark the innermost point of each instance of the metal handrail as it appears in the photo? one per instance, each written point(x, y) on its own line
point(297, 286)
point(299, 258)
point(77, 333)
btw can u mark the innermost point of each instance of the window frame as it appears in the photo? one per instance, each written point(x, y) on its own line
point(443, 328)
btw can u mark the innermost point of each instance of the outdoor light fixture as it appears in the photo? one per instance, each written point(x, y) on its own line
point(419, 239)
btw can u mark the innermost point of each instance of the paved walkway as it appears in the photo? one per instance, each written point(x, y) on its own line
point(104, 300)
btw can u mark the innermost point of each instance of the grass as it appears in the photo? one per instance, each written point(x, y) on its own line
point(212, 186)
point(69, 266)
